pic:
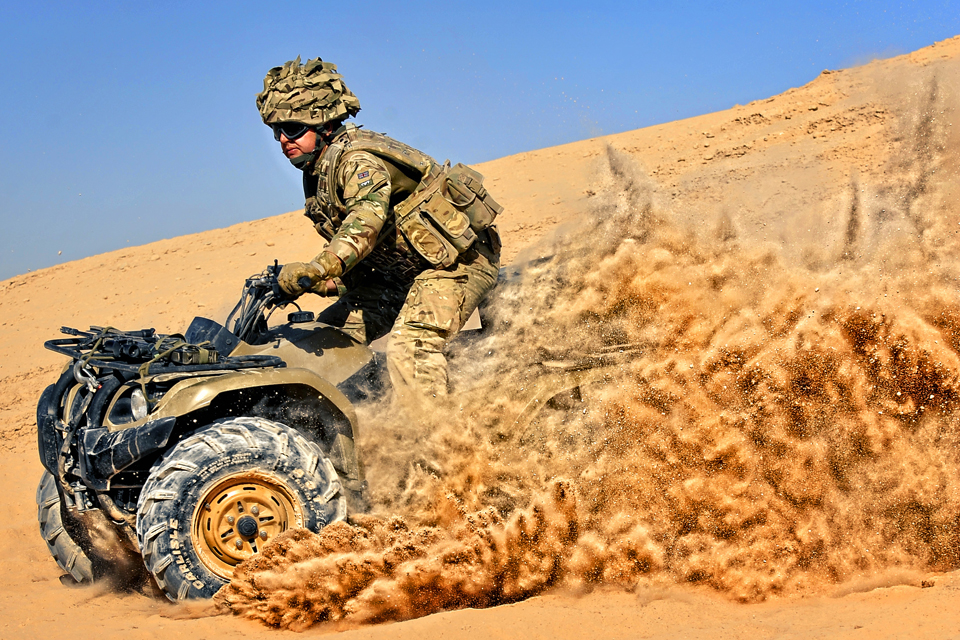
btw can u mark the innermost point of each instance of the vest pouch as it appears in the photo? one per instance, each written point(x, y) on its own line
point(451, 222)
point(427, 240)
point(463, 189)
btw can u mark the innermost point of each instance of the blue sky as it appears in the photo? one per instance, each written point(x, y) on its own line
point(124, 123)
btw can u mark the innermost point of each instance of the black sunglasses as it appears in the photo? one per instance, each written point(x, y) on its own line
point(290, 130)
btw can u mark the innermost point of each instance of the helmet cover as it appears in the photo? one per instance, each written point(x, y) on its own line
point(312, 93)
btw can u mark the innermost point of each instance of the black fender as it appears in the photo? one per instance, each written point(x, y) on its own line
point(48, 412)
point(104, 453)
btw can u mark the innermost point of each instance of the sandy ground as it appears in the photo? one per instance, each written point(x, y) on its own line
point(783, 170)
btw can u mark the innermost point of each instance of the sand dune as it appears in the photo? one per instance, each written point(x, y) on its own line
point(846, 185)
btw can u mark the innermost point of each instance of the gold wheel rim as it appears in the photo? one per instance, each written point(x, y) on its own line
point(238, 516)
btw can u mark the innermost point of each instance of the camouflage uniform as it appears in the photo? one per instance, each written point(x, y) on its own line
point(354, 183)
point(388, 285)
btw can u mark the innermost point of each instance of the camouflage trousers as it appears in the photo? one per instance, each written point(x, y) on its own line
point(421, 319)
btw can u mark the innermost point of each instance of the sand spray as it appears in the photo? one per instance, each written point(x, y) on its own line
point(750, 423)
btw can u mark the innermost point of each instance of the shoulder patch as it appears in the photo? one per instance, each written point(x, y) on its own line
point(361, 176)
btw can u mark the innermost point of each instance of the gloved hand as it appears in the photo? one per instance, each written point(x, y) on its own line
point(294, 275)
point(297, 278)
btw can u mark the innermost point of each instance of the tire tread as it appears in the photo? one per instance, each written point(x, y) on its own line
point(67, 553)
point(278, 448)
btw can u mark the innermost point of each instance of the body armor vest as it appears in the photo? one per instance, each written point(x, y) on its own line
point(409, 170)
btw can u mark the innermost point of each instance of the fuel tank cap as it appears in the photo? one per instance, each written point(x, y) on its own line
point(296, 317)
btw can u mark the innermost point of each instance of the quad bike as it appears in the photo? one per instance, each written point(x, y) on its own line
point(191, 452)
point(194, 451)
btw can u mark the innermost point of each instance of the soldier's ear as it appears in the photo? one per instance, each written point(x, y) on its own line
point(326, 130)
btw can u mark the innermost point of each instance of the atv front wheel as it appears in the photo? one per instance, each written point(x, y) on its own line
point(220, 495)
point(62, 547)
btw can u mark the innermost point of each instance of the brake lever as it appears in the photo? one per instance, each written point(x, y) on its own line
point(274, 283)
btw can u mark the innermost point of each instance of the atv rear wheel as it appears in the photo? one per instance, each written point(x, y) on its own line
point(220, 495)
point(62, 547)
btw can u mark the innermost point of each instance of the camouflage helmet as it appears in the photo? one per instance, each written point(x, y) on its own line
point(312, 93)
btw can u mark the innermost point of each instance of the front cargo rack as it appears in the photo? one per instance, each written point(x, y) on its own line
point(145, 352)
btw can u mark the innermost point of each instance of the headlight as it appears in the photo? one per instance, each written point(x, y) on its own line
point(138, 404)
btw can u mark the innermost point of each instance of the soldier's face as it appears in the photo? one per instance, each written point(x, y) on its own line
point(307, 143)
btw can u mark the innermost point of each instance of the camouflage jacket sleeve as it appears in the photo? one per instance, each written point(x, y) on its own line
point(365, 182)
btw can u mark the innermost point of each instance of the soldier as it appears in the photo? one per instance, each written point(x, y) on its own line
point(411, 244)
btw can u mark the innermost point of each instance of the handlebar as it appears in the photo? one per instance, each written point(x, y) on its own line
point(261, 295)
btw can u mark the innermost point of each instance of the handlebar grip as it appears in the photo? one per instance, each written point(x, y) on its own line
point(305, 282)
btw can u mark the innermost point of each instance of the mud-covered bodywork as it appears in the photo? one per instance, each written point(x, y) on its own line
point(128, 401)
point(114, 449)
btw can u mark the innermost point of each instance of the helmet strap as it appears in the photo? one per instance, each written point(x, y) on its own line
point(304, 159)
